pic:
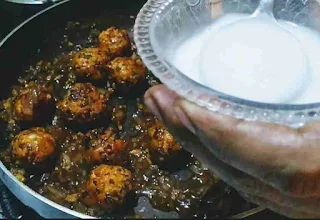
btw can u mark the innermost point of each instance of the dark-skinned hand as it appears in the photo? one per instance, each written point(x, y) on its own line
point(274, 166)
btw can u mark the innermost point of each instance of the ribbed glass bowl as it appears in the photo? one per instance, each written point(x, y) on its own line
point(161, 25)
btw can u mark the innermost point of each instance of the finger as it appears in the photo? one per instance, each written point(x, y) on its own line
point(283, 210)
point(162, 107)
point(274, 153)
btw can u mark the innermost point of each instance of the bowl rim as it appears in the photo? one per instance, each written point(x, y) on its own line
point(199, 94)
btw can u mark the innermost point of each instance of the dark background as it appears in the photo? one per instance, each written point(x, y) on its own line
point(11, 15)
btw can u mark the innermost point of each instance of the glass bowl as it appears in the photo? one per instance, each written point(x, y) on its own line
point(161, 25)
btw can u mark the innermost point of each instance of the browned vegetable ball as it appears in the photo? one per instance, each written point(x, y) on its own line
point(107, 186)
point(126, 72)
point(33, 146)
point(83, 103)
point(114, 42)
point(33, 103)
point(161, 140)
point(89, 63)
point(106, 148)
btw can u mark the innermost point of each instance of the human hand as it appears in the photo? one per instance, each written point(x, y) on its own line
point(271, 165)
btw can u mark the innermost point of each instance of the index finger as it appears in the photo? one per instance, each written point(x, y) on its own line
point(286, 158)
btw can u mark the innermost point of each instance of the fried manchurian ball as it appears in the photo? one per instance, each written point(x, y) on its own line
point(33, 146)
point(83, 103)
point(34, 102)
point(89, 63)
point(162, 142)
point(107, 187)
point(106, 148)
point(114, 42)
point(126, 72)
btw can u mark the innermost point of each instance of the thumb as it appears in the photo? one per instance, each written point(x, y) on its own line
point(260, 143)
point(255, 142)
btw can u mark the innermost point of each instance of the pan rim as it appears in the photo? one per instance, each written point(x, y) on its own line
point(13, 31)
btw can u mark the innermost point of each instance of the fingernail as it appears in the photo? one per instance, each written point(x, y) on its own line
point(153, 107)
point(184, 119)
